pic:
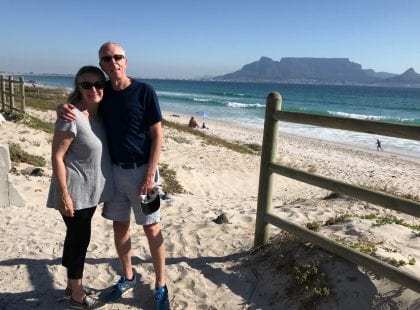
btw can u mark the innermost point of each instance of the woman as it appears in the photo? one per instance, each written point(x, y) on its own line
point(82, 177)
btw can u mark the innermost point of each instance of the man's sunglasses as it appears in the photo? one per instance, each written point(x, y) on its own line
point(109, 58)
point(89, 85)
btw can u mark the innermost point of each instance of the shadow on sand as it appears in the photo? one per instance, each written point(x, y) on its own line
point(242, 282)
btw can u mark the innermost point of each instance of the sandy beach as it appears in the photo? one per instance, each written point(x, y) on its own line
point(210, 265)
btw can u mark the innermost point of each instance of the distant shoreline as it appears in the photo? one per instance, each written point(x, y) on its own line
point(281, 82)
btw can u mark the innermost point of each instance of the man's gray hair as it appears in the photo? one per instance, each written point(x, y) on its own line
point(106, 44)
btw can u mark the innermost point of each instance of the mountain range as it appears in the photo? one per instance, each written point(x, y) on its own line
point(317, 71)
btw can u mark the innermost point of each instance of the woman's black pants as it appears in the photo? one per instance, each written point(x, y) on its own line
point(77, 241)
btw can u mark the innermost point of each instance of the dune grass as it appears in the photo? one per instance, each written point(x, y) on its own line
point(213, 140)
point(44, 99)
point(30, 121)
point(170, 184)
point(17, 154)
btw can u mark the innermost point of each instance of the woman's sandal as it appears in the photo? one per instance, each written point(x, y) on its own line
point(88, 292)
point(88, 303)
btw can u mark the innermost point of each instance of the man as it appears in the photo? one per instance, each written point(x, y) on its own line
point(132, 117)
point(192, 123)
point(378, 145)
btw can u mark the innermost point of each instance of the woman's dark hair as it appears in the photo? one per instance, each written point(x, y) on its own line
point(76, 95)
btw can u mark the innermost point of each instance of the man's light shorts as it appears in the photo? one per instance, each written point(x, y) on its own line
point(126, 184)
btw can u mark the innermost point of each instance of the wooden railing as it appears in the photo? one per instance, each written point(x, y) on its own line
point(11, 89)
point(268, 167)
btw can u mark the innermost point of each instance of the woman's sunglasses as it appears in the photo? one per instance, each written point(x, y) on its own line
point(89, 85)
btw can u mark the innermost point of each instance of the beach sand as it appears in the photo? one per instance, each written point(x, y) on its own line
point(210, 265)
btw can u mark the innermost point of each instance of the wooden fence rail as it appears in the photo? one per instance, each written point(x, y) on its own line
point(268, 167)
point(11, 89)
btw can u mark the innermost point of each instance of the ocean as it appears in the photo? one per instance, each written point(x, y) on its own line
point(244, 104)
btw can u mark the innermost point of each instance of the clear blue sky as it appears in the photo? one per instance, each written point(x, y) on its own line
point(191, 38)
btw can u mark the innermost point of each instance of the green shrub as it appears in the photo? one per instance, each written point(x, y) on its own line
point(20, 156)
point(313, 225)
point(170, 183)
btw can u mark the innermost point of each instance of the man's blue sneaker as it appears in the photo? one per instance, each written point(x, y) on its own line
point(122, 287)
point(161, 298)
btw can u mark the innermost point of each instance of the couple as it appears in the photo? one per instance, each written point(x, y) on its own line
point(125, 114)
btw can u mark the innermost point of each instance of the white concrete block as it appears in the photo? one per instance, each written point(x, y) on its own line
point(8, 194)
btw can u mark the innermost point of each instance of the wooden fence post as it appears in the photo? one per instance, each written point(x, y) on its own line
point(11, 94)
point(22, 93)
point(3, 93)
point(268, 153)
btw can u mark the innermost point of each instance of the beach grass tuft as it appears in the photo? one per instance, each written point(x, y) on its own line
point(170, 183)
point(311, 279)
point(36, 123)
point(362, 245)
point(337, 219)
point(381, 220)
point(44, 99)
point(211, 140)
point(314, 226)
point(30, 121)
point(17, 154)
point(302, 263)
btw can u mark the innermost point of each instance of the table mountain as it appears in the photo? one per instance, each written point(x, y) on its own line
point(305, 70)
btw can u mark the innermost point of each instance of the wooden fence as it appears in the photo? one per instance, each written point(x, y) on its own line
point(10, 90)
point(273, 115)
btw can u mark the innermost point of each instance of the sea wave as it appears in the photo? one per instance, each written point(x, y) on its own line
point(176, 94)
point(203, 99)
point(233, 94)
point(188, 97)
point(406, 120)
point(222, 101)
point(245, 105)
point(356, 116)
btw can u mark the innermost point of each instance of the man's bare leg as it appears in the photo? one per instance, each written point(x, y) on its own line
point(157, 250)
point(123, 245)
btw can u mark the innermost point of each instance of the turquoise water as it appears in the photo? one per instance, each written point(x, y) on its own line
point(244, 103)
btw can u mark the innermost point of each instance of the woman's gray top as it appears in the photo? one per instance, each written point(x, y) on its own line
point(88, 164)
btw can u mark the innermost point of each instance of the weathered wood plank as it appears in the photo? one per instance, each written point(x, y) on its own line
point(411, 132)
point(375, 197)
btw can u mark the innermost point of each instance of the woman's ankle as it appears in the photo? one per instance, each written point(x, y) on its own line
point(78, 297)
point(77, 292)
